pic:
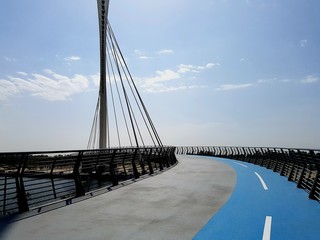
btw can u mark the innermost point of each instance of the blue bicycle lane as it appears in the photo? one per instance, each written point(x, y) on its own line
point(282, 211)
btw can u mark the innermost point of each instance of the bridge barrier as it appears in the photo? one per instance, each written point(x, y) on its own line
point(29, 180)
point(301, 166)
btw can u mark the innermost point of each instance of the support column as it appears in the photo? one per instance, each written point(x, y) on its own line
point(103, 7)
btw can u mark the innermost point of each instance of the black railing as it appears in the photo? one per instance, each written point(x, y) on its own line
point(29, 180)
point(298, 165)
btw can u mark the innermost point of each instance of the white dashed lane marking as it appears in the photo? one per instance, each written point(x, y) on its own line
point(264, 185)
point(267, 228)
point(241, 164)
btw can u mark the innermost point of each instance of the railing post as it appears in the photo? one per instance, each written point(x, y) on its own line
point(142, 161)
point(291, 169)
point(270, 159)
point(52, 181)
point(232, 153)
point(123, 164)
point(173, 156)
point(237, 153)
point(134, 166)
point(166, 157)
point(76, 174)
point(263, 155)
point(149, 162)
point(244, 154)
point(4, 195)
point(299, 182)
point(21, 193)
point(160, 160)
point(277, 161)
point(112, 167)
point(314, 186)
point(285, 160)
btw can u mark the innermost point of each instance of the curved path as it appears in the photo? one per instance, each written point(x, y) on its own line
point(183, 203)
point(264, 205)
point(173, 205)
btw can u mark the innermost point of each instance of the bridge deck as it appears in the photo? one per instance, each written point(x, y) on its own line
point(180, 204)
point(173, 205)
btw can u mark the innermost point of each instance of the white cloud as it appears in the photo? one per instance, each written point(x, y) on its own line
point(303, 42)
point(141, 54)
point(49, 86)
point(23, 73)
point(183, 68)
point(165, 51)
point(269, 80)
point(285, 80)
point(310, 79)
point(96, 79)
point(169, 74)
point(162, 76)
point(144, 57)
point(160, 82)
point(161, 88)
point(227, 87)
point(72, 58)
point(7, 89)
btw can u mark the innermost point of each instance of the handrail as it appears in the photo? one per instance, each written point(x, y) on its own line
point(301, 166)
point(30, 180)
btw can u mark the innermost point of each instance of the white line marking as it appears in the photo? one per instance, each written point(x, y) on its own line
point(241, 164)
point(267, 228)
point(264, 185)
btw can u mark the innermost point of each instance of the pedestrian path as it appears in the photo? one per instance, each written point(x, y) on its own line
point(173, 205)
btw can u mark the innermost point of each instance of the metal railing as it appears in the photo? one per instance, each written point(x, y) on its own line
point(29, 180)
point(298, 165)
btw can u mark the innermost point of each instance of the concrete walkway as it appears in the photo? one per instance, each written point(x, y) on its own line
point(173, 205)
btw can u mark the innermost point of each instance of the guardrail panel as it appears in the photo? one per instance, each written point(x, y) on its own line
point(299, 165)
point(32, 179)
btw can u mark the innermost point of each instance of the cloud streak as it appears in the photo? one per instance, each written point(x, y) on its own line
point(163, 80)
point(141, 54)
point(49, 86)
point(183, 68)
point(310, 79)
point(228, 87)
point(165, 51)
point(72, 58)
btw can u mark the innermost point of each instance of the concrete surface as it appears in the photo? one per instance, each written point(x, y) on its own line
point(173, 205)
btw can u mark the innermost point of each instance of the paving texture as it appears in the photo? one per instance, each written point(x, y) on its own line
point(173, 205)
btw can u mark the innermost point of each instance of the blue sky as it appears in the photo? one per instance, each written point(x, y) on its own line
point(211, 72)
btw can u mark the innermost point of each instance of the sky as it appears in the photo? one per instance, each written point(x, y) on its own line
point(211, 72)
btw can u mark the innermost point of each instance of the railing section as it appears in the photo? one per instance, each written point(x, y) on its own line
point(29, 180)
point(298, 165)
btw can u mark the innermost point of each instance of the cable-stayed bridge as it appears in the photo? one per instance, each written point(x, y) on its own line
point(121, 115)
point(123, 143)
point(124, 147)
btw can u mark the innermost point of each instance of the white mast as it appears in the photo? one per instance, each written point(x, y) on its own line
point(103, 7)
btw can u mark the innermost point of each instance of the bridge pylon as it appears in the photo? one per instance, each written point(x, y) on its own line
point(121, 117)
